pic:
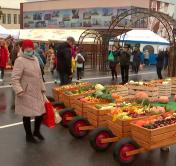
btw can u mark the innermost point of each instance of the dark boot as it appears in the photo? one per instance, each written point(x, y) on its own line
point(38, 121)
point(27, 127)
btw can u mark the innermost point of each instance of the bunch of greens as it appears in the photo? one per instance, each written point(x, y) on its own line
point(103, 94)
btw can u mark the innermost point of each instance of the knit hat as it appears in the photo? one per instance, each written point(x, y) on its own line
point(27, 43)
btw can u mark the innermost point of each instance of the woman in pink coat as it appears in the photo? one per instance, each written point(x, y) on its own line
point(30, 90)
point(3, 58)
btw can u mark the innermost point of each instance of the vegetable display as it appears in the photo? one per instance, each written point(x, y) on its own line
point(161, 121)
point(134, 110)
point(80, 90)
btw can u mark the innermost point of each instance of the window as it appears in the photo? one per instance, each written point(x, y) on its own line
point(9, 18)
point(4, 19)
point(15, 18)
point(19, 18)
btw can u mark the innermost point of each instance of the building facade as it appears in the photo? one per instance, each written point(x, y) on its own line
point(76, 14)
point(10, 18)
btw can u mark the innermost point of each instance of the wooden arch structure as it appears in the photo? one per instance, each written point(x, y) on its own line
point(140, 13)
point(99, 46)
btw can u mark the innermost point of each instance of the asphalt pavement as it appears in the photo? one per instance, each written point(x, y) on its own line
point(60, 148)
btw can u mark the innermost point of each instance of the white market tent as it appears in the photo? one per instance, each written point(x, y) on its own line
point(34, 34)
point(4, 33)
point(52, 34)
point(142, 37)
point(15, 33)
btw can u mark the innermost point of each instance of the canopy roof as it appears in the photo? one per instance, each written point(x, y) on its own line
point(4, 33)
point(51, 34)
point(142, 37)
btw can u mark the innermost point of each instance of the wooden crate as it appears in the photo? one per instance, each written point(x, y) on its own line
point(55, 94)
point(120, 90)
point(164, 90)
point(154, 138)
point(96, 117)
point(58, 91)
point(77, 105)
point(151, 91)
point(121, 128)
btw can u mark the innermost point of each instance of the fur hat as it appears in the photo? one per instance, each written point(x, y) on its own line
point(27, 43)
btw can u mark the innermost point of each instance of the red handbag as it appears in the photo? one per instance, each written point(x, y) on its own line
point(49, 116)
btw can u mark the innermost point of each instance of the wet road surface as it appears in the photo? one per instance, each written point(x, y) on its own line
point(60, 148)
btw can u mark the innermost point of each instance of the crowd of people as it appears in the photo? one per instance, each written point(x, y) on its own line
point(65, 58)
point(122, 59)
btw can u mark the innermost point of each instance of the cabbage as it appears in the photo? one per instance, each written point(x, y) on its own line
point(99, 87)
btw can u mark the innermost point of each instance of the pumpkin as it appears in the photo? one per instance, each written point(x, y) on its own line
point(141, 95)
point(163, 99)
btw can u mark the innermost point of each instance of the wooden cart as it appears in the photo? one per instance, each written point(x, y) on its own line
point(89, 119)
point(101, 138)
point(143, 140)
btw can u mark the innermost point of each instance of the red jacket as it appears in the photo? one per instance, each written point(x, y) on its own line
point(3, 57)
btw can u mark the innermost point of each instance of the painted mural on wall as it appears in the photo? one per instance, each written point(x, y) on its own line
point(74, 18)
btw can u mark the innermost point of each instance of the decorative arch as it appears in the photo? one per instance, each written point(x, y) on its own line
point(168, 22)
point(96, 47)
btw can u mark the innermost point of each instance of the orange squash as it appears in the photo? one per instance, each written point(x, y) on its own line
point(163, 99)
point(141, 95)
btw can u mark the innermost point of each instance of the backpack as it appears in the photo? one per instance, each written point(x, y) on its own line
point(111, 57)
point(80, 59)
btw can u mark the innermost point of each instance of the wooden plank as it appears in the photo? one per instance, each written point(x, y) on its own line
point(109, 140)
point(162, 130)
point(84, 128)
point(137, 151)
point(164, 136)
point(141, 136)
point(141, 143)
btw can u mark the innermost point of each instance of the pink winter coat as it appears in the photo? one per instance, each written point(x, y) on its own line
point(26, 77)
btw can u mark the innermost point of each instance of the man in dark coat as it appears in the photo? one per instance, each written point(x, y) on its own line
point(136, 59)
point(125, 63)
point(160, 64)
point(64, 61)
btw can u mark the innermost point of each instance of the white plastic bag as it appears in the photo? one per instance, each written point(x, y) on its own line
point(57, 117)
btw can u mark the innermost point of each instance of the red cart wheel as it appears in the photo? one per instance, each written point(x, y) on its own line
point(121, 148)
point(65, 114)
point(74, 127)
point(97, 136)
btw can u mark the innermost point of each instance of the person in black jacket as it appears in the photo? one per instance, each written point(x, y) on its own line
point(64, 61)
point(136, 59)
point(125, 63)
point(160, 64)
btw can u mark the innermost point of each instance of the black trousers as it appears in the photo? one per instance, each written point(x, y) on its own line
point(27, 125)
point(136, 68)
point(159, 70)
point(114, 72)
point(124, 73)
point(64, 78)
point(2, 72)
point(79, 72)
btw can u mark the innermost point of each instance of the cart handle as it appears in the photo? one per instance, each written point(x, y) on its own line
point(137, 151)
